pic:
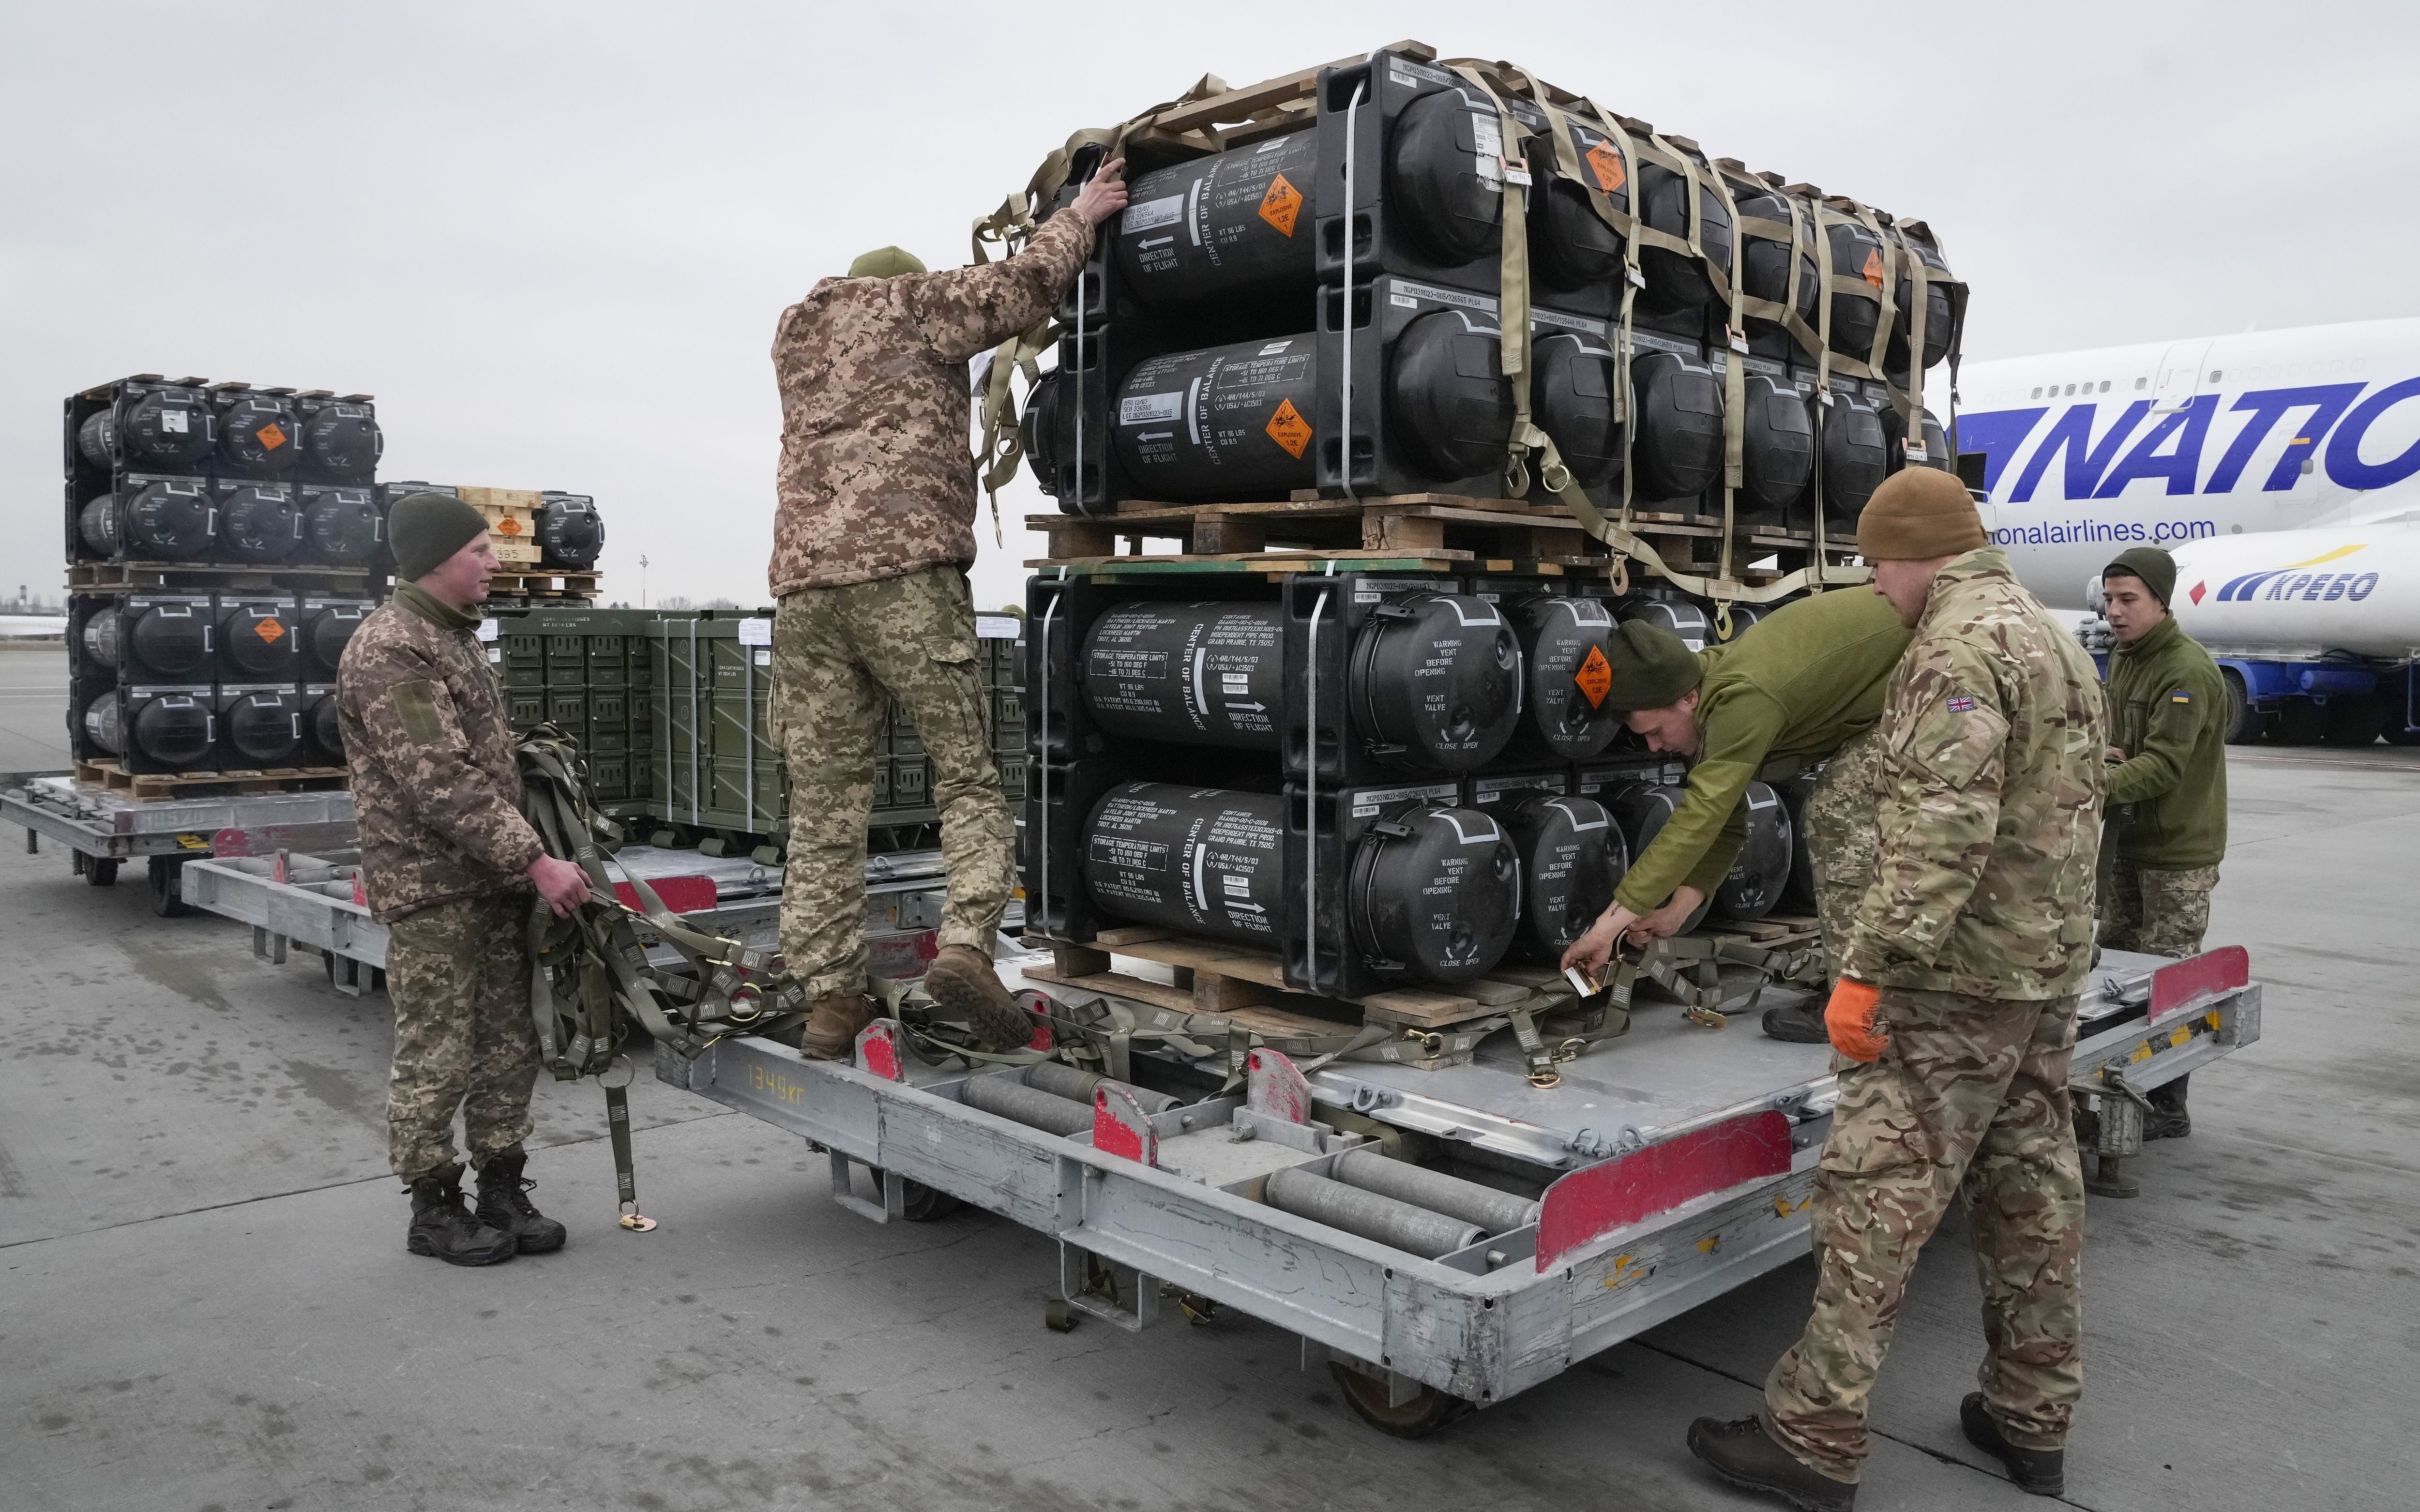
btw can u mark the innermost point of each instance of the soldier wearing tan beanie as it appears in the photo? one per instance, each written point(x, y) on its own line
point(1954, 1016)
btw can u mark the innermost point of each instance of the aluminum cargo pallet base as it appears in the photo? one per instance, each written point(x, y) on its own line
point(1681, 1160)
point(112, 825)
point(290, 897)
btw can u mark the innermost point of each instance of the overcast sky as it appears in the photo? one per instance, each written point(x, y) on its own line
point(554, 239)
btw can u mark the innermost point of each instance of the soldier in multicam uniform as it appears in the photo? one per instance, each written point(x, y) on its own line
point(870, 544)
point(2167, 785)
point(1954, 1018)
point(448, 862)
point(1802, 686)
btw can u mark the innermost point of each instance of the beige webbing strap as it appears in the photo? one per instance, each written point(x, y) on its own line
point(1875, 364)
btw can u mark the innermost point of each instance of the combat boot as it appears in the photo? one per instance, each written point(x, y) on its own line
point(833, 1022)
point(2040, 1471)
point(961, 980)
point(2166, 1117)
point(1801, 1024)
point(443, 1225)
point(505, 1205)
point(1744, 1455)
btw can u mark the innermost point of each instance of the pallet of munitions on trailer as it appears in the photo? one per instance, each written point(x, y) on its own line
point(1409, 303)
point(548, 542)
point(223, 542)
point(657, 697)
point(1380, 789)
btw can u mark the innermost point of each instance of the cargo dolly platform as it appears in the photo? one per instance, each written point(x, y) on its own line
point(1668, 1166)
point(104, 828)
point(293, 897)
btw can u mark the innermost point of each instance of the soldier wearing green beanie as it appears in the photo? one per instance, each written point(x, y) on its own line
point(1801, 687)
point(2167, 785)
point(449, 866)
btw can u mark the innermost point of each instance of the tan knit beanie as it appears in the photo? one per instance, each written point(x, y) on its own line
point(1918, 513)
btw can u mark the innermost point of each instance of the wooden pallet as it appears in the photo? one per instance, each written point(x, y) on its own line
point(1247, 988)
point(549, 584)
point(153, 787)
point(1213, 976)
point(1447, 526)
point(121, 577)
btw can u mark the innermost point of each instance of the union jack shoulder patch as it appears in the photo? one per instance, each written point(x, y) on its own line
point(1960, 704)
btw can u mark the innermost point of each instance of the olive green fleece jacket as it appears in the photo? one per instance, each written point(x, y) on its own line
point(2167, 711)
point(1792, 690)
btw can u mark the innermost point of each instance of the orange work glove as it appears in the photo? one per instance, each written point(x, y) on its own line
point(1848, 1019)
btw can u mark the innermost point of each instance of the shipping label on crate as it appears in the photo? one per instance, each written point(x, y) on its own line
point(1370, 800)
point(756, 632)
point(1409, 295)
point(999, 627)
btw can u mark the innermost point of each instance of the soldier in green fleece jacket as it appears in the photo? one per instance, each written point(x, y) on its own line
point(1803, 685)
point(2167, 785)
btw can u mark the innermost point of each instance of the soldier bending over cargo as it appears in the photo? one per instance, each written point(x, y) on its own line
point(2167, 785)
point(1804, 685)
point(1954, 1018)
point(871, 545)
point(448, 864)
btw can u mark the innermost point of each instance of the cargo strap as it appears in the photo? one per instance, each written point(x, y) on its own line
point(1513, 344)
point(588, 968)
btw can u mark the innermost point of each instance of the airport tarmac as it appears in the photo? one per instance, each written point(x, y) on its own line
point(205, 1304)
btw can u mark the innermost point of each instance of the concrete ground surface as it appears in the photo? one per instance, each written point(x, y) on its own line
point(205, 1304)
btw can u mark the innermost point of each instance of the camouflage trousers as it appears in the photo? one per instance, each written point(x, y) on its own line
point(459, 973)
point(1841, 839)
point(2157, 913)
point(1970, 1097)
point(840, 656)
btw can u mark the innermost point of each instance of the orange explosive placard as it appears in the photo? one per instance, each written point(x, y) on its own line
point(1596, 676)
point(1281, 204)
point(1288, 429)
point(1607, 163)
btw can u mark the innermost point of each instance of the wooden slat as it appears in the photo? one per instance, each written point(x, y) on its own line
point(1127, 934)
point(1204, 956)
point(1419, 1009)
point(1237, 105)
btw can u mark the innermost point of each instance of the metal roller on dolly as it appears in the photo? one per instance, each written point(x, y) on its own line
point(1053, 1096)
point(1421, 1211)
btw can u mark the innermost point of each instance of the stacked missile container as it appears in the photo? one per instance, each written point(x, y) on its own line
point(1316, 308)
point(223, 542)
point(1408, 777)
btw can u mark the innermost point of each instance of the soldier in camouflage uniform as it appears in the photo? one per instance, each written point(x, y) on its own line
point(870, 544)
point(1954, 1018)
point(448, 864)
point(1804, 685)
point(2167, 785)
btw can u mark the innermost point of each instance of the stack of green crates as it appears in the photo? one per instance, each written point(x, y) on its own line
point(657, 696)
point(586, 672)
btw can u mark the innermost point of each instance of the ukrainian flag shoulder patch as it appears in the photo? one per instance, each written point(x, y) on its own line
point(2179, 695)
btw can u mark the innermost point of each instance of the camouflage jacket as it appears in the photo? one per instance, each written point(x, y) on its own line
point(1989, 829)
point(436, 788)
point(876, 476)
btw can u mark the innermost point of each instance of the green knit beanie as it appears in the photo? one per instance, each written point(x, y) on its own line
point(886, 262)
point(1651, 666)
point(424, 529)
point(2156, 567)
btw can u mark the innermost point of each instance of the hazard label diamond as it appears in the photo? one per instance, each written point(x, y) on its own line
point(1281, 204)
point(1288, 429)
point(1596, 676)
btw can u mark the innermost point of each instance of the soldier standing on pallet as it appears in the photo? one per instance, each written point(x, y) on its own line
point(1954, 1018)
point(2168, 789)
point(871, 545)
point(1803, 685)
point(448, 862)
